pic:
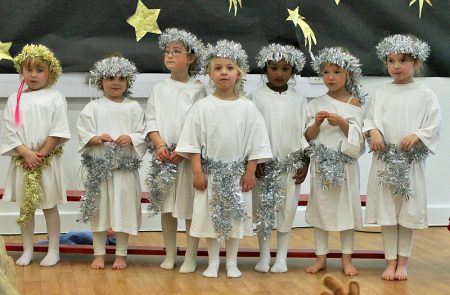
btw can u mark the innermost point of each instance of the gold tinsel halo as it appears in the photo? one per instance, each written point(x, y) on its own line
point(43, 53)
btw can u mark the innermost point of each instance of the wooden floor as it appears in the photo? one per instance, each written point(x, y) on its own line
point(429, 271)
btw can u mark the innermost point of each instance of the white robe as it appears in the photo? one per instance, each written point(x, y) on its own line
point(166, 111)
point(285, 117)
point(339, 207)
point(43, 113)
point(226, 131)
point(398, 110)
point(119, 206)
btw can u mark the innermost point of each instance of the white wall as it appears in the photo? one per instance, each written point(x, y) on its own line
point(78, 93)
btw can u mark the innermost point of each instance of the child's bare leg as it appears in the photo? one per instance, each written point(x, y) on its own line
point(405, 239)
point(321, 241)
point(121, 251)
point(190, 258)
point(263, 264)
point(282, 247)
point(347, 238)
point(213, 258)
point(169, 230)
point(99, 241)
point(27, 231)
point(390, 237)
point(53, 227)
point(232, 247)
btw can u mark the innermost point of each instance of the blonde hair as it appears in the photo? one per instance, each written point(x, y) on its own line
point(237, 88)
point(34, 63)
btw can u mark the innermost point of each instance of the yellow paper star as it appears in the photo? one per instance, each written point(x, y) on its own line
point(4, 50)
point(235, 3)
point(144, 21)
point(420, 5)
point(308, 33)
point(337, 1)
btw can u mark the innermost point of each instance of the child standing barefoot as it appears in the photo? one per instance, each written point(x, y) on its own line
point(402, 126)
point(111, 138)
point(334, 131)
point(34, 129)
point(225, 136)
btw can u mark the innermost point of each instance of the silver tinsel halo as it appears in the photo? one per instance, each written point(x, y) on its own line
point(226, 204)
point(114, 66)
point(276, 52)
point(190, 41)
point(398, 166)
point(99, 169)
point(226, 49)
point(160, 179)
point(338, 56)
point(403, 44)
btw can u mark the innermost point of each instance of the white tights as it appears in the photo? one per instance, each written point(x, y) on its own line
point(100, 243)
point(321, 241)
point(397, 240)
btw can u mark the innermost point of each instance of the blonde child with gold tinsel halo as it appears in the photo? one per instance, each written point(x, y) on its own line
point(402, 126)
point(333, 130)
point(34, 129)
point(224, 135)
point(111, 139)
point(170, 177)
point(275, 198)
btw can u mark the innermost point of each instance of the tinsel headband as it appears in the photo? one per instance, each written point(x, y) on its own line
point(226, 49)
point(189, 40)
point(403, 44)
point(277, 52)
point(345, 60)
point(111, 67)
point(40, 52)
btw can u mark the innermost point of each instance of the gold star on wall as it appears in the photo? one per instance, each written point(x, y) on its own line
point(144, 21)
point(235, 3)
point(4, 50)
point(420, 5)
point(308, 33)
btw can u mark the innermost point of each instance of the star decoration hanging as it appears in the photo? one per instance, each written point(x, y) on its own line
point(144, 21)
point(420, 5)
point(235, 3)
point(4, 50)
point(337, 1)
point(308, 33)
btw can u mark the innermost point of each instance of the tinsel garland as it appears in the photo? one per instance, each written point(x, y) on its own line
point(272, 190)
point(160, 179)
point(330, 165)
point(99, 169)
point(32, 188)
point(276, 52)
point(226, 202)
point(403, 44)
point(398, 166)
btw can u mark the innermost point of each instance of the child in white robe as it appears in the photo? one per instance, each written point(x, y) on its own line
point(169, 102)
point(334, 132)
point(403, 119)
point(111, 138)
point(34, 129)
point(282, 109)
point(224, 136)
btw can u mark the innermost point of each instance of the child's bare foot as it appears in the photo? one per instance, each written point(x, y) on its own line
point(401, 273)
point(389, 272)
point(120, 262)
point(347, 266)
point(319, 264)
point(98, 263)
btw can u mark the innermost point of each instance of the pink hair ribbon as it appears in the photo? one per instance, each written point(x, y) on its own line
point(17, 112)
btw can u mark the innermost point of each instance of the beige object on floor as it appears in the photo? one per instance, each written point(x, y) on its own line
point(7, 272)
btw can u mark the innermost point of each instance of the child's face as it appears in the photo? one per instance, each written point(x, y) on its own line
point(279, 73)
point(35, 75)
point(223, 73)
point(400, 67)
point(176, 58)
point(334, 77)
point(114, 87)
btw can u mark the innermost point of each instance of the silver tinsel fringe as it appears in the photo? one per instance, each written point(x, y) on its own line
point(330, 165)
point(226, 49)
point(272, 190)
point(403, 44)
point(99, 169)
point(398, 166)
point(226, 202)
point(276, 52)
point(160, 179)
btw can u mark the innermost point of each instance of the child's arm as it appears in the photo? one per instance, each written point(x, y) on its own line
point(31, 159)
point(314, 129)
point(162, 153)
point(200, 182)
point(49, 145)
point(336, 120)
point(376, 140)
point(248, 180)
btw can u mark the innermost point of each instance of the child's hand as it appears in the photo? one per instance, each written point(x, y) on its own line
point(301, 174)
point(335, 120)
point(175, 158)
point(408, 142)
point(248, 182)
point(320, 117)
point(31, 159)
point(376, 141)
point(259, 172)
point(123, 140)
point(200, 181)
point(162, 153)
point(106, 138)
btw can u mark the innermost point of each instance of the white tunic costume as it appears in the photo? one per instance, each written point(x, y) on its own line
point(119, 206)
point(398, 110)
point(285, 117)
point(43, 113)
point(339, 207)
point(166, 111)
point(226, 131)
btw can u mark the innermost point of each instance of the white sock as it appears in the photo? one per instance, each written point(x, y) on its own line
point(27, 232)
point(169, 230)
point(190, 258)
point(121, 244)
point(53, 227)
point(282, 247)
point(263, 264)
point(213, 258)
point(232, 247)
